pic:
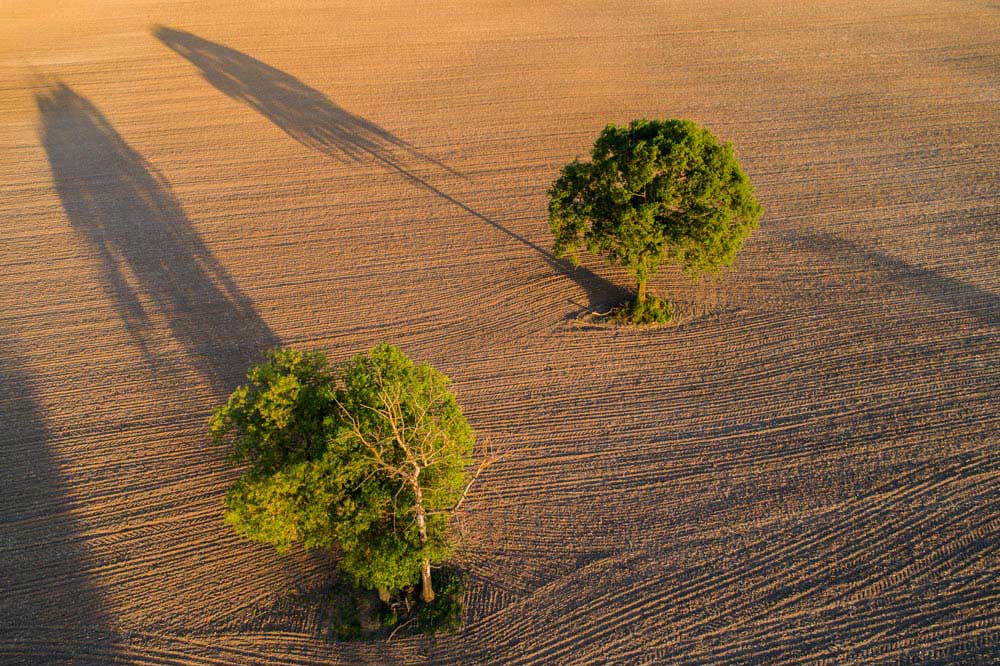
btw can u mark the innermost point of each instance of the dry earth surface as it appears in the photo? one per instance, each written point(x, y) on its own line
point(804, 470)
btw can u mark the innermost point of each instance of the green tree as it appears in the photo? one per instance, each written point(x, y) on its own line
point(370, 459)
point(404, 419)
point(655, 191)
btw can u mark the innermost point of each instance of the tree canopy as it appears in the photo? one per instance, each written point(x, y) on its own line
point(369, 458)
point(656, 191)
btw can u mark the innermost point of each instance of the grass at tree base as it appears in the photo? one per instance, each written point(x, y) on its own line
point(654, 310)
point(359, 615)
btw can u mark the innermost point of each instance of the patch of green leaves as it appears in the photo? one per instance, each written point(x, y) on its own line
point(654, 310)
point(444, 614)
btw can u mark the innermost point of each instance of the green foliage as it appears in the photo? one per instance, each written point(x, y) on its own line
point(404, 417)
point(389, 615)
point(653, 192)
point(347, 458)
point(444, 614)
point(406, 610)
point(652, 310)
point(346, 606)
point(280, 509)
point(282, 416)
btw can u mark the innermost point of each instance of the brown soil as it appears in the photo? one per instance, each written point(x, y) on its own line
point(804, 470)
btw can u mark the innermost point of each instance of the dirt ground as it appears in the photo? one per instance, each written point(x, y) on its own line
point(805, 470)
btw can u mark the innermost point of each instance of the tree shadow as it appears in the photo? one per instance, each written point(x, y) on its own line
point(947, 291)
point(312, 119)
point(150, 255)
point(301, 112)
point(45, 586)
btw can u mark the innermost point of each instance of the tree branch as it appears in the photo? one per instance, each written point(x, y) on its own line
point(486, 462)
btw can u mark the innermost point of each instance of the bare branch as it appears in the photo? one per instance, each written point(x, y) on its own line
point(487, 460)
point(400, 627)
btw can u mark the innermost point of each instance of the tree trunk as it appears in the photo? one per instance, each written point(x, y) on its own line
point(426, 591)
point(641, 298)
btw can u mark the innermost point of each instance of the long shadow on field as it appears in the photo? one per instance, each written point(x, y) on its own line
point(947, 291)
point(311, 118)
point(46, 592)
point(150, 255)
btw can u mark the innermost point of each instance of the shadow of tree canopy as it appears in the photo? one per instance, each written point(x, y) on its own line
point(947, 291)
point(43, 578)
point(150, 255)
point(303, 113)
point(311, 118)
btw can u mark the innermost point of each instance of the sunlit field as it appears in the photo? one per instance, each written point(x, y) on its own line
point(803, 468)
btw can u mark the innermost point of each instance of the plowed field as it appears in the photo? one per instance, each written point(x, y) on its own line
point(804, 470)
